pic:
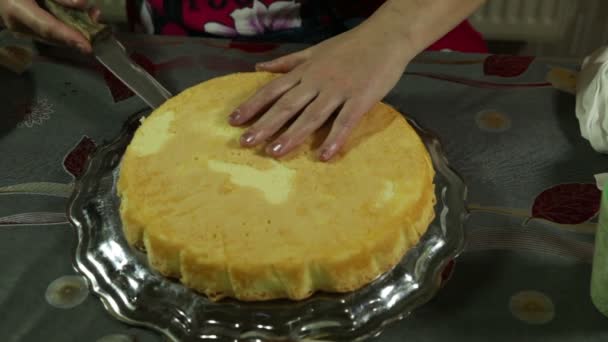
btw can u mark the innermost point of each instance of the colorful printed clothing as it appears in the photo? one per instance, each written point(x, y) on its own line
point(306, 21)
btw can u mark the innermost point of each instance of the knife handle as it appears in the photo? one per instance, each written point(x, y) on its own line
point(79, 20)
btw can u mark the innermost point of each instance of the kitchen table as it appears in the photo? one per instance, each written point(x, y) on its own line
point(507, 124)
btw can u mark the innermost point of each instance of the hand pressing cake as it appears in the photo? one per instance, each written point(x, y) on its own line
point(232, 222)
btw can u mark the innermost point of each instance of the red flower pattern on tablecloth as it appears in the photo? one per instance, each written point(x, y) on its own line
point(506, 66)
point(568, 203)
point(253, 47)
point(74, 162)
point(447, 272)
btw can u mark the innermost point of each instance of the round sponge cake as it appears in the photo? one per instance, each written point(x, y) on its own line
point(232, 222)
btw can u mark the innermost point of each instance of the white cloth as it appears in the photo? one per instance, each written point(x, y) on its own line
point(600, 180)
point(592, 99)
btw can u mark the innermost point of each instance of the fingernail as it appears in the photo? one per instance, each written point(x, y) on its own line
point(235, 116)
point(261, 66)
point(275, 148)
point(327, 153)
point(83, 48)
point(248, 138)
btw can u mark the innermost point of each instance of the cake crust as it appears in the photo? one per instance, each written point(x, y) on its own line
point(232, 222)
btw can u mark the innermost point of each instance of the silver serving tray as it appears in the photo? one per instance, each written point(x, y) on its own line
point(134, 293)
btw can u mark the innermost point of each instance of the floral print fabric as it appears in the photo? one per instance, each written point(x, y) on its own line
point(304, 20)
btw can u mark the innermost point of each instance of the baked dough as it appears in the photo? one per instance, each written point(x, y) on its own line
point(232, 222)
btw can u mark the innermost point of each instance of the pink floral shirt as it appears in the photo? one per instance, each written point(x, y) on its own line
point(251, 18)
point(225, 18)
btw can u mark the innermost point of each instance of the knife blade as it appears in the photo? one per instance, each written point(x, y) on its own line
point(112, 54)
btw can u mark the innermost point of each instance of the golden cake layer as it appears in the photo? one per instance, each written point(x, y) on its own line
point(232, 222)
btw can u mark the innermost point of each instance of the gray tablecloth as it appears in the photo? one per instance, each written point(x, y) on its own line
point(507, 129)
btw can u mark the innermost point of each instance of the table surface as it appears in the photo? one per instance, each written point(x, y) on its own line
point(506, 128)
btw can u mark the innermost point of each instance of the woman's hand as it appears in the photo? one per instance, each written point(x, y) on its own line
point(25, 16)
point(347, 74)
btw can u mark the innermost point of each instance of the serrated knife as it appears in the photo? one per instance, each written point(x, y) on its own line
point(111, 53)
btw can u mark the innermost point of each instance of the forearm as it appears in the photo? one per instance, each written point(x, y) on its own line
point(413, 25)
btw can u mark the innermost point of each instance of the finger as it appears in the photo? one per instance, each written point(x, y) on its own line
point(263, 99)
point(48, 27)
point(94, 11)
point(80, 4)
point(95, 14)
point(284, 109)
point(315, 115)
point(284, 64)
point(347, 119)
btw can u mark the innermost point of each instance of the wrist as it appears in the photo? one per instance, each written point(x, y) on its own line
point(389, 37)
point(414, 25)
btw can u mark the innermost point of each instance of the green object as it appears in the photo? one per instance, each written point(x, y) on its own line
point(599, 275)
point(79, 20)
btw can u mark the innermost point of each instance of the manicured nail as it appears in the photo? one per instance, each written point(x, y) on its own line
point(328, 152)
point(261, 66)
point(82, 47)
point(235, 116)
point(275, 148)
point(248, 138)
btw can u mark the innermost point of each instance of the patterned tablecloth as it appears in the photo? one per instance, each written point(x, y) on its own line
point(508, 126)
